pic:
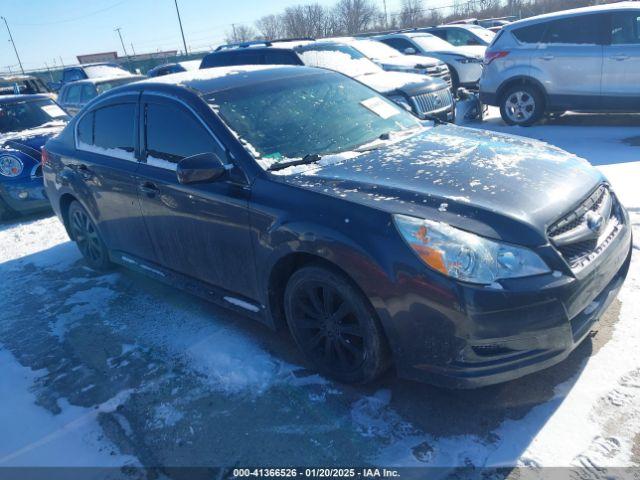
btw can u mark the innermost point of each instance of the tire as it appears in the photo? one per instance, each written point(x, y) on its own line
point(522, 105)
point(334, 326)
point(87, 238)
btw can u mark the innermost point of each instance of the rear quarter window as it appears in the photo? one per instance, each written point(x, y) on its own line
point(531, 34)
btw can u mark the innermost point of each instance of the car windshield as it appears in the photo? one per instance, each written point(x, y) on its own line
point(483, 33)
point(318, 113)
point(106, 86)
point(376, 50)
point(340, 58)
point(23, 115)
point(431, 43)
point(22, 86)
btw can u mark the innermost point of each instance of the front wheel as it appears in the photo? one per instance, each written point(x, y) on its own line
point(334, 326)
point(522, 105)
point(87, 237)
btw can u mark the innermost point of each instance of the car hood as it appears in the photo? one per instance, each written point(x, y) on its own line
point(409, 83)
point(30, 141)
point(497, 185)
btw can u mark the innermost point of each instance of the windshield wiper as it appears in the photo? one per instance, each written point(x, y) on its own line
point(434, 119)
point(307, 159)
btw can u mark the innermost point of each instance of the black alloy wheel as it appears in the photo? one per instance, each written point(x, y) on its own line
point(87, 237)
point(334, 326)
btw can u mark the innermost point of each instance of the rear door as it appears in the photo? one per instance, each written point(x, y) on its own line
point(569, 59)
point(621, 76)
point(197, 230)
point(106, 140)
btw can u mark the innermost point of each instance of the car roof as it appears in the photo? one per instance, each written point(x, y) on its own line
point(211, 80)
point(22, 98)
point(628, 5)
point(97, 80)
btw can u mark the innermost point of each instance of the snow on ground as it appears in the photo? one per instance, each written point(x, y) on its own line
point(116, 369)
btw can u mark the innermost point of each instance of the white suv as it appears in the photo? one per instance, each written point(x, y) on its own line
point(586, 59)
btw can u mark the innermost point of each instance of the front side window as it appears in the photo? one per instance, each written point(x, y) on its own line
point(625, 28)
point(173, 134)
point(111, 129)
point(319, 113)
point(578, 30)
point(400, 44)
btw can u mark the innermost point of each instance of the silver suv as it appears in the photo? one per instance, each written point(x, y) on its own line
point(587, 59)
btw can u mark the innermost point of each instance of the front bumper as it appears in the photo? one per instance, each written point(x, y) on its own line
point(473, 336)
point(24, 195)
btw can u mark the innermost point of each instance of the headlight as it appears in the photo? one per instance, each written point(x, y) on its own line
point(402, 101)
point(467, 256)
point(10, 166)
point(467, 60)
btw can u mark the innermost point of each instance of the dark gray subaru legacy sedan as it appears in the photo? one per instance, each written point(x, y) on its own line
point(307, 200)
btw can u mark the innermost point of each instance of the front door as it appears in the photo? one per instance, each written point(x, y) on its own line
point(569, 61)
point(198, 230)
point(621, 77)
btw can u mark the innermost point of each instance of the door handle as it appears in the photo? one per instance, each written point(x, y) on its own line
point(620, 58)
point(149, 189)
point(547, 57)
point(85, 172)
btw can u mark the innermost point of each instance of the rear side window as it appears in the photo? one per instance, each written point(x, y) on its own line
point(85, 129)
point(281, 58)
point(113, 131)
point(531, 34)
point(73, 94)
point(88, 92)
point(584, 29)
point(625, 28)
point(173, 134)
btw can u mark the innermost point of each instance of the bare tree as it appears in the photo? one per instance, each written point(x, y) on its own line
point(270, 27)
point(311, 20)
point(240, 33)
point(355, 16)
point(411, 14)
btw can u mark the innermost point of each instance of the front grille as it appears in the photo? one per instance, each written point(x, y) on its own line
point(426, 103)
point(438, 71)
point(583, 234)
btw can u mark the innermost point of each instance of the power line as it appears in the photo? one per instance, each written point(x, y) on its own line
point(73, 19)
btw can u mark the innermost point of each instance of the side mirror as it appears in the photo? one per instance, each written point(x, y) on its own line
point(200, 168)
point(409, 51)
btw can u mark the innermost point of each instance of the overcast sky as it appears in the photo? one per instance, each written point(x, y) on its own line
point(45, 30)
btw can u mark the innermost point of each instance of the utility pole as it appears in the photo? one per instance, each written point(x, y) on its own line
point(235, 35)
point(133, 49)
point(386, 17)
point(14, 45)
point(61, 62)
point(121, 41)
point(184, 42)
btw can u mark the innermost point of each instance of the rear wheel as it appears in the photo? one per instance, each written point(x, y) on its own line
point(522, 105)
point(334, 326)
point(87, 237)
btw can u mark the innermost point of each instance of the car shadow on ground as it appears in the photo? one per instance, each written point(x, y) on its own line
point(209, 387)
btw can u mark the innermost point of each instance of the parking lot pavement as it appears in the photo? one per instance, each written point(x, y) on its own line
point(116, 369)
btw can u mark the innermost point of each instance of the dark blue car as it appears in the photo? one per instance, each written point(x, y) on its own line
point(305, 199)
point(26, 123)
